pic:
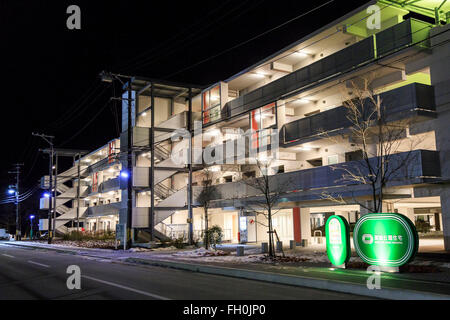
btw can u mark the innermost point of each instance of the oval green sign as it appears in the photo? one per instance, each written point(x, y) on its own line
point(337, 232)
point(385, 239)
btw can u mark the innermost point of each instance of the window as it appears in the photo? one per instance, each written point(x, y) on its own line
point(315, 162)
point(248, 175)
point(354, 156)
point(333, 159)
point(278, 169)
point(211, 106)
point(260, 120)
point(263, 118)
point(228, 179)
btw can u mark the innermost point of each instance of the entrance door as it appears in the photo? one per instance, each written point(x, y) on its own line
point(251, 229)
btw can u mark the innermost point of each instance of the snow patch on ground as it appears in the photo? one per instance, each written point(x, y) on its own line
point(201, 252)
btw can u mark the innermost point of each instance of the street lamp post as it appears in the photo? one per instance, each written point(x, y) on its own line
point(31, 225)
point(49, 140)
point(16, 192)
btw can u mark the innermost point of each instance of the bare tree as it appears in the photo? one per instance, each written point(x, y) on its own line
point(380, 141)
point(205, 197)
point(270, 193)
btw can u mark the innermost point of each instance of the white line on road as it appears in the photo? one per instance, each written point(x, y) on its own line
point(128, 288)
point(7, 255)
point(39, 264)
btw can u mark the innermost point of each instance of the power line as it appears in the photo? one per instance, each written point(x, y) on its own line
point(86, 125)
point(78, 112)
point(77, 105)
point(206, 26)
point(171, 39)
point(249, 40)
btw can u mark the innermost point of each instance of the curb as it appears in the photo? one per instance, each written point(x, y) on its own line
point(337, 286)
point(300, 281)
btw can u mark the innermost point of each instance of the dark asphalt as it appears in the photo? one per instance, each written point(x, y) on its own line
point(37, 274)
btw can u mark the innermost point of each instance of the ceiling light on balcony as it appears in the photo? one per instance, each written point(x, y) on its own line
point(304, 148)
point(260, 74)
point(215, 169)
point(303, 101)
point(302, 54)
point(213, 133)
point(144, 114)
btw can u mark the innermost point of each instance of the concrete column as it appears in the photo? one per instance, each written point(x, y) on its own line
point(281, 114)
point(305, 224)
point(445, 204)
point(302, 224)
point(409, 212)
point(296, 225)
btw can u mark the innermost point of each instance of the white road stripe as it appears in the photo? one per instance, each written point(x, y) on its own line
point(7, 255)
point(39, 264)
point(128, 288)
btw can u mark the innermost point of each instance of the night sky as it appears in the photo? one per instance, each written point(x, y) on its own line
point(50, 74)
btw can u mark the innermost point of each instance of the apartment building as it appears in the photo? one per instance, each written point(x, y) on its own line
point(293, 104)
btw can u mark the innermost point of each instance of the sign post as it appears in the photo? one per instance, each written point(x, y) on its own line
point(337, 232)
point(387, 240)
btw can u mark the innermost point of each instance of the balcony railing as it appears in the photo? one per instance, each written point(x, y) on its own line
point(411, 100)
point(400, 36)
point(106, 186)
point(418, 166)
point(104, 210)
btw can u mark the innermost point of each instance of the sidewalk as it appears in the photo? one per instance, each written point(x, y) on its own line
point(314, 274)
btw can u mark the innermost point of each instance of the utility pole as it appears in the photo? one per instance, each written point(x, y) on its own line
point(189, 187)
point(78, 192)
point(49, 140)
point(109, 78)
point(18, 220)
point(130, 168)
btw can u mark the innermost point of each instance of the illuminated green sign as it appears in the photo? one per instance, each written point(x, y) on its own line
point(337, 232)
point(385, 239)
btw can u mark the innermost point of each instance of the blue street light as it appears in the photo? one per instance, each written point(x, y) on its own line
point(124, 174)
point(11, 191)
point(47, 195)
point(32, 216)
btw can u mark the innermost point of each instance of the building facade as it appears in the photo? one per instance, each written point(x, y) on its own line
point(294, 108)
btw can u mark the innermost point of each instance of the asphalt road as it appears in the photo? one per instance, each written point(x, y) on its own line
point(37, 274)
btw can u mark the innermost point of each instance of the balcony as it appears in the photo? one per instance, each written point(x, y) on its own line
point(421, 167)
point(106, 186)
point(408, 33)
point(413, 100)
point(402, 35)
point(104, 210)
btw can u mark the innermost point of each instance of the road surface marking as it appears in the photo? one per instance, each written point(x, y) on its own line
point(39, 264)
point(7, 255)
point(127, 288)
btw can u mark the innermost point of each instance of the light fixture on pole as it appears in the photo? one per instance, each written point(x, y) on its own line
point(31, 226)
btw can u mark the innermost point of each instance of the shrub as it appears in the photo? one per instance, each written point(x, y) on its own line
point(423, 226)
point(179, 242)
point(86, 236)
point(213, 236)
